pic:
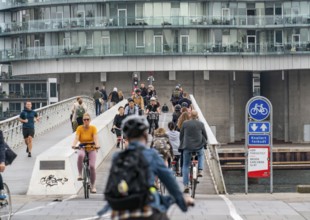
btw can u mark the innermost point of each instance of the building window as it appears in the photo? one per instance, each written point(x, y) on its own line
point(14, 107)
point(14, 90)
point(89, 40)
point(139, 10)
point(140, 40)
point(53, 90)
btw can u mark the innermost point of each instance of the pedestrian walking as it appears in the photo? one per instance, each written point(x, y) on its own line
point(113, 97)
point(78, 113)
point(28, 117)
point(97, 96)
point(105, 99)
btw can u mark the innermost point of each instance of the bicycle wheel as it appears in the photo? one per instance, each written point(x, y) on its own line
point(86, 181)
point(6, 204)
point(194, 186)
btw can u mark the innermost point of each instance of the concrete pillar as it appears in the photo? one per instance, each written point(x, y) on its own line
point(286, 105)
point(77, 77)
point(103, 77)
point(172, 75)
point(232, 78)
point(206, 74)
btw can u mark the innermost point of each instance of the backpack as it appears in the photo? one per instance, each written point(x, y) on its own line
point(134, 110)
point(176, 94)
point(165, 108)
point(80, 111)
point(161, 145)
point(127, 187)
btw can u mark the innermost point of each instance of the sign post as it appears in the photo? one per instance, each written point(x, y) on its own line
point(258, 144)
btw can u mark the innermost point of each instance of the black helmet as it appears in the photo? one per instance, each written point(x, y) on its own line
point(177, 107)
point(184, 104)
point(137, 90)
point(130, 100)
point(134, 126)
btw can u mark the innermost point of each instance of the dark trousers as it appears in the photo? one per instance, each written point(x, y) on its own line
point(79, 120)
point(1, 183)
point(98, 107)
point(150, 122)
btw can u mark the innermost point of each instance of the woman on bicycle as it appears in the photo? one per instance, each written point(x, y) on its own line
point(86, 134)
point(153, 107)
point(117, 124)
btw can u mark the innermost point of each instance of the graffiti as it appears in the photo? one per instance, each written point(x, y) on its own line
point(52, 180)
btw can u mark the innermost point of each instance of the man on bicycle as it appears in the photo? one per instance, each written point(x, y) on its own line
point(86, 134)
point(193, 138)
point(153, 107)
point(138, 100)
point(131, 108)
point(135, 130)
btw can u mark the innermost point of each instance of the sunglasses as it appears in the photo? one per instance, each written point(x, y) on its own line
point(85, 119)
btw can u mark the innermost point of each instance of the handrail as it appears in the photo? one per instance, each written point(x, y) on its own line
point(212, 155)
point(52, 116)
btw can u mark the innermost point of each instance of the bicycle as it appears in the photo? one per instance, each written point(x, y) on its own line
point(259, 109)
point(86, 169)
point(6, 204)
point(152, 117)
point(193, 175)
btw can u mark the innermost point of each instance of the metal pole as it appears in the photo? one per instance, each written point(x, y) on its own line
point(271, 148)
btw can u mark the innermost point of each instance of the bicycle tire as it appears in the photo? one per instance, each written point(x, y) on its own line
point(85, 182)
point(6, 205)
point(194, 186)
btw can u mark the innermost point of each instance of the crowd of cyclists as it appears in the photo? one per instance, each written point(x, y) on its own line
point(136, 126)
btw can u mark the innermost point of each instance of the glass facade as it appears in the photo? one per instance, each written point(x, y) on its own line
point(55, 29)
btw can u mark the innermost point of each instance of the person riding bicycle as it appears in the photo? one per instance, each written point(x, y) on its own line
point(161, 143)
point(131, 108)
point(117, 122)
point(176, 96)
point(153, 206)
point(86, 134)
point(153, 107)
point(174, 140)
point(193, 138)
point(138, 100)
point(176, 114)
point(186, 100)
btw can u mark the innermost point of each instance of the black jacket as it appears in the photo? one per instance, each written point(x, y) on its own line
point(118, 120)
point(2, 148)
point(104, 95)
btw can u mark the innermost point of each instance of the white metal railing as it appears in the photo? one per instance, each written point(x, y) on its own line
point(52, 116)
point(212, 155)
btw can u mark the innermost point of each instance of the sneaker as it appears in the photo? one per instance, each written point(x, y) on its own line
point(117, 145)
point(199, 173)
point(29, 154)
point(80, 178)
point(186, 189)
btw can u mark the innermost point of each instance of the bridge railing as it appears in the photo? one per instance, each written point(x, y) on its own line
point(51, 116)
point(212, 153)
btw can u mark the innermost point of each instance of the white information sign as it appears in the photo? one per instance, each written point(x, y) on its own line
point(257, 159)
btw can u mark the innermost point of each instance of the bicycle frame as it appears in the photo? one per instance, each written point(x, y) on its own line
point(193, 174)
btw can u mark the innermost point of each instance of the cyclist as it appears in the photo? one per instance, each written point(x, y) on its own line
point(161, 143)
point(193, 138)
point(176, 114)
point(86, 134)
point(174, 139)
point(135, 129)
point(153, 107)
point(176, 96)
point(185, 99)
point(131, 108)
point(2, 165)
point(138, 100)
point(117, 124)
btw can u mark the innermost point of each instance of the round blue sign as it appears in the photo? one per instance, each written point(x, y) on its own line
point(259, 109)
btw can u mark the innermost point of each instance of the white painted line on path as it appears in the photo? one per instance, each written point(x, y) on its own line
point(43, 206)
point(232, 209)
point(164, 121)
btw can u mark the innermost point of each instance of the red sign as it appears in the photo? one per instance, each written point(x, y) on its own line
point(258, 162)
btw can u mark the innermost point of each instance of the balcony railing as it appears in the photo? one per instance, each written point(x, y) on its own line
point(50, 52)
point(66, 24)
point(27, 95)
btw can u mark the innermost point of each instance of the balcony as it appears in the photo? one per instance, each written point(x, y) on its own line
point(118, 50)
point(17, 96)
point(110, 23)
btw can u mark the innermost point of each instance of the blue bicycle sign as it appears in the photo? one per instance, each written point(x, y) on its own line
point(259, 109)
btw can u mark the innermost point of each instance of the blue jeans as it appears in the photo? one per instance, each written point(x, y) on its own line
point(98, 107)
point(186, 163)
point(105, 106)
